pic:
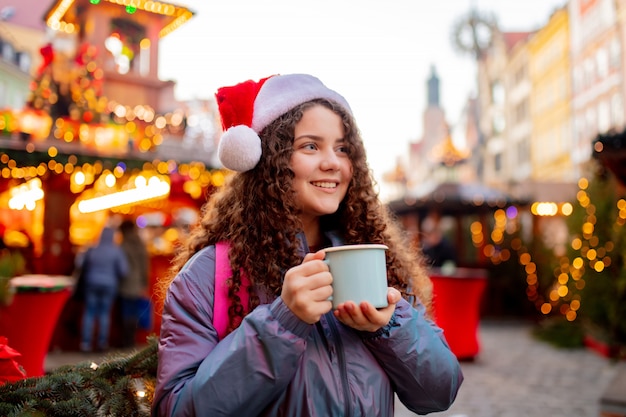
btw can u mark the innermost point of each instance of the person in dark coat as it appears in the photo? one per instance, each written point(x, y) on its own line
point(134, 287)
point(104, 266)
point(436, 247)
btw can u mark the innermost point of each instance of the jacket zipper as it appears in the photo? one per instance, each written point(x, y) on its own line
point(342, 368)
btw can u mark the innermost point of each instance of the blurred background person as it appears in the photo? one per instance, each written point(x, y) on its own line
point(104, 266)
point(134, 287)
point(436, 247)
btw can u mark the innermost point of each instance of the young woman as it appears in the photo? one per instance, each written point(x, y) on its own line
point(303, 184)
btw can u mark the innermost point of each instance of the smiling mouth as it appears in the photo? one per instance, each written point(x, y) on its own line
point(325, 184)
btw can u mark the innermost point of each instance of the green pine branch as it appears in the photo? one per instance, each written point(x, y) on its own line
point(85, 390)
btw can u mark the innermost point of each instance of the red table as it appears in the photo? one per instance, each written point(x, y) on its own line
point(29, 321)
point(456, 306)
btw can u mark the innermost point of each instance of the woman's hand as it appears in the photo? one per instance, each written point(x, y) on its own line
point(366, 317)
point(307, 287)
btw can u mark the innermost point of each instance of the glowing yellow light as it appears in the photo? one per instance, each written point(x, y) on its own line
point(26, 195)
point(93, 366)
point(524, 258)
point(79, 178)
point(591, 254)
point(140, 181)
point(171, 235)
point(546, 308)
point(496, 236)
point(154, 190)
point(571, 315)
point(577, 243)
point(544, 208)
point(567, 209)
point(110, 180)
point(218, 179)
point(599, 266)
point(587, 228)
point(562, 291)
point(578, 263)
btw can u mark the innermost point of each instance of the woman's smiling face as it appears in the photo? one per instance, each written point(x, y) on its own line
point(320, 162)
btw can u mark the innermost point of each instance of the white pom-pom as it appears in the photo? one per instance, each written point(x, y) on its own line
point(239, 148)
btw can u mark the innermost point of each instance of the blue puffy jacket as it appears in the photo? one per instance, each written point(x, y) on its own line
point(274, 364)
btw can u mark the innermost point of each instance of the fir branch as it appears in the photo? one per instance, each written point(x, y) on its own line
point(110, 389)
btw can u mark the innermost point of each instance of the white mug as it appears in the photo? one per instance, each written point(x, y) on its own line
point(359, 274)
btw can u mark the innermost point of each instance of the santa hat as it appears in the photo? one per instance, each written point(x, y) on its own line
point(247, 108)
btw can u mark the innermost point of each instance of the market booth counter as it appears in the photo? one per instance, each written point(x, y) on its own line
point(457, 295)
point(29, 321)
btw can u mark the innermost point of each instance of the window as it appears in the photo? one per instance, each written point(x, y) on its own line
point(7, 52)
point(604, 117)
point(23, 61)
point(589, 73)
point(523, 151)
point(497, 162)
point(602, 63)
point(617, 110)
point(123, 43)
point(498, 124)
point(615, 53)
point(578, 79)
point(497, 93)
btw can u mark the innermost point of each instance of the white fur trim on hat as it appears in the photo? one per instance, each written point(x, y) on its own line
point(282, 93)
point(239, 148)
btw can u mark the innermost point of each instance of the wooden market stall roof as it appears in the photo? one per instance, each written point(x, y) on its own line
point(65, 13)
point(451, 198)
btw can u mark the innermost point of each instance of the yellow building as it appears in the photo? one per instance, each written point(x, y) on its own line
point(550, 100)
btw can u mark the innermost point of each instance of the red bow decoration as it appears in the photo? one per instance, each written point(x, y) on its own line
point(10, 370)
point(47, 53)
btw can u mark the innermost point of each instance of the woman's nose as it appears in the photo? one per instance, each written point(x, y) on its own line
point(330, 161)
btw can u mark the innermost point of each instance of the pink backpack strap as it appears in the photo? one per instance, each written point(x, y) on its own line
point(221, 301)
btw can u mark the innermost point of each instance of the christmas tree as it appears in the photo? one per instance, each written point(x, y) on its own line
point(44, 90)
point(587, 297)
point(87, 104)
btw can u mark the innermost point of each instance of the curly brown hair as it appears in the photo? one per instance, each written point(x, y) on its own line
point(257, 213)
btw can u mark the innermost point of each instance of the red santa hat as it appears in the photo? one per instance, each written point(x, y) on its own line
point(248, 107)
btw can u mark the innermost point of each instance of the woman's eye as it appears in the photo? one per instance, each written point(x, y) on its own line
point(310, 146)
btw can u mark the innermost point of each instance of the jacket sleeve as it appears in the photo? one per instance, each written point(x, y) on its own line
point(425, 373)
point(239, 375)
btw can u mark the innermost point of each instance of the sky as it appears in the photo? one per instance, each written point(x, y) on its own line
point(377, 54)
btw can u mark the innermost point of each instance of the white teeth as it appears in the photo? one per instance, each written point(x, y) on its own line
point(325, 184)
